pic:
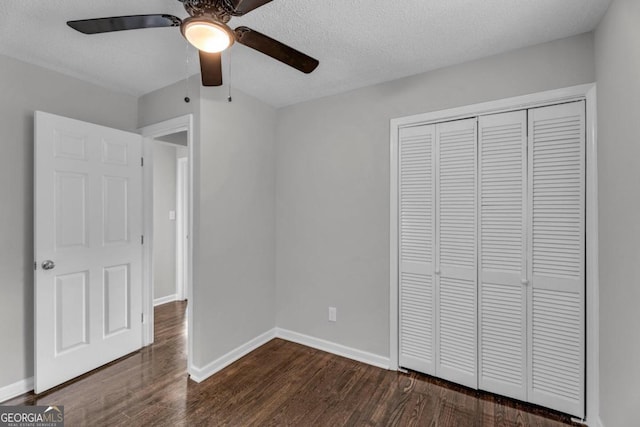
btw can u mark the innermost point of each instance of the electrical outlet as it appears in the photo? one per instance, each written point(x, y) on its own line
point(172, 215)
point(332, 314)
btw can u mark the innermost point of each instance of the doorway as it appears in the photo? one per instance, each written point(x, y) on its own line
point(167, 194)
point(170, 163)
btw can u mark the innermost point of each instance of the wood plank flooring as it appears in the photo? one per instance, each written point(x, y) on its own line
point(281, 383)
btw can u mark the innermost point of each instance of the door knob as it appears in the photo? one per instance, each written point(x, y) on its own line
point(48, 265)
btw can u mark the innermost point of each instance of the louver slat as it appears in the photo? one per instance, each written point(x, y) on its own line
point(416, 237)
point(557, 271)
point(502, 206)
point(416, 325)
point(456, 145)
point(457, 325)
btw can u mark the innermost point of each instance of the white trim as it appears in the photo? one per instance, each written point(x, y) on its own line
point(393, 249)
point(166, 127)
point(147, 247)
point(586, 92)
point(593, 286)
point(16, 389)
point(182, 191)
point(498, 106)
point(164, 300)
point(334, 348)
point(200, 374)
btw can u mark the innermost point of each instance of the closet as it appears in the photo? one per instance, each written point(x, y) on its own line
point(491, 253)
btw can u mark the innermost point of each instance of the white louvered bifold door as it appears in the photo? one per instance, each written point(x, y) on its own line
point(502, 270)
point(416, 237)
point(456, 269)
point(557, 247)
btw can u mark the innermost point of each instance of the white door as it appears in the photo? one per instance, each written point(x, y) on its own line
point(557, 246)
point(417, 242)
point(88, 250)
point(456, 266)
point(502, 364)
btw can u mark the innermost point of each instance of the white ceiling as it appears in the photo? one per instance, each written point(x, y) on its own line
point(358, 42)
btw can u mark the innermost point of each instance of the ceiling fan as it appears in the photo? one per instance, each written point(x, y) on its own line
point(206, 29)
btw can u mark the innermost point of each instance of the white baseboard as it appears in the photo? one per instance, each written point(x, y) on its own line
point(201, 374)
point(16, 389)
point(331, 347)
point(164, 300)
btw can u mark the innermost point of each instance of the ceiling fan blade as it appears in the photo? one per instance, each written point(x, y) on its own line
point(241, 7)
point(211, 68)
point(119, 23)
point(275, 49)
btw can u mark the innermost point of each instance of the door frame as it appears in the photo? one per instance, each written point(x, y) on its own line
point(586, 92)
point(149, 134)
point(182, 239)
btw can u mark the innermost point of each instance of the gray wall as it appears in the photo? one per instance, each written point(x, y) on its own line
point(23, 89)
point(234, 213)
point(617, 50)
point(234, 300)
point(332, 184)
point(179, 138)
point(164, 229)
point(168, 102)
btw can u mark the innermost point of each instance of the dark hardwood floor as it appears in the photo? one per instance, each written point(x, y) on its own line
point(281, 383)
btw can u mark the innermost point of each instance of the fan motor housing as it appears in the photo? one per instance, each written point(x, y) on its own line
point(222, 9)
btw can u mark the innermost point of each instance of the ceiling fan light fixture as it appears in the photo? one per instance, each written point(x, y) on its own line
point(207, 34)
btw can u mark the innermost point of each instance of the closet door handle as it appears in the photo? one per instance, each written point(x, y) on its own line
point(524, 282)
point(437, 272)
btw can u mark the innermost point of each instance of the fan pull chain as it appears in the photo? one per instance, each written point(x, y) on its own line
point(229, 99)
point(186, 74)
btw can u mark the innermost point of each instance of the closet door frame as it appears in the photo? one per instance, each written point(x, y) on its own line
point(586, 92)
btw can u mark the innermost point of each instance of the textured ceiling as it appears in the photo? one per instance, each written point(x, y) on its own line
point(358, 42)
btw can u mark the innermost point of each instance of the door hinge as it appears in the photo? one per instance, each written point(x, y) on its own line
point(35, 265)
point(142, 240)
point(141, 317)
point(141, 161)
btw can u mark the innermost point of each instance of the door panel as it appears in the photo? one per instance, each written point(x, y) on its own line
point(416, 238)
point(457, 333)
point(116, 299)
point(502, 245)
point(456, 273)
point(557, 247)
point(71, 311)
point(88, 222)
point(71, 208)
point(114, 153)
point(115, 226)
